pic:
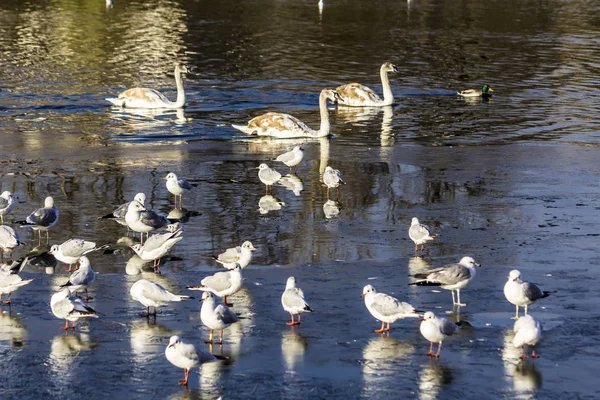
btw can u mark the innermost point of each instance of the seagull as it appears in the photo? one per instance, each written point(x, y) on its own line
point(157, 246)
point(119, 213)
point(7, 203)
point(291, 158)
point(177, 186)
point(450, 277)
point(386, 308)
point(81, 278)
point(333, 179)
point(419, 234)
point(154, 295)
point(42, 219)
point(142, 220)
point(186, 356)
point(268, 176)
point(215, 316)
point(8, 240)
point(436, 329)
point(293, 301)
point(10, 281)
point(521, 293)
point(72, 250)
point(222, 284)
point(236, 255)
point(70, 308)
point(528, 331)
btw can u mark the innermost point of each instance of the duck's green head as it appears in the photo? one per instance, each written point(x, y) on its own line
point(486, 88)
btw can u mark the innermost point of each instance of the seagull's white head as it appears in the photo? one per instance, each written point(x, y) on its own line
point(469, 262)
point(248, 245)
point(368, 289)
point(173, 341)
point(53, 249)
point(514, 275)
point(428, 315)
point(206, 296)
point(140, 197)
point(291, 283)
point(6, 195)
point(170, 177)
point(49, 202)
point(415, 221)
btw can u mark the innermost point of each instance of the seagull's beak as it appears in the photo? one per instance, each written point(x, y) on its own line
point(169, 346)
point(165, 178)
point(477, 264)
point(362, 295)
point(253, 248)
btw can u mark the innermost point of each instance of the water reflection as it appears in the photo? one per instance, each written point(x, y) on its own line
point(431, 379)
point(269, 203)
point(65, 353)
point(210, 379)
point(382, 357)
point(293, 347)
point(147, 337)
point(135, 265)
point(526, 379)
point(39, 259)
point(417, 265)
point(292, 183)
point(331, 208)
point(140, 119)
point(12, 329)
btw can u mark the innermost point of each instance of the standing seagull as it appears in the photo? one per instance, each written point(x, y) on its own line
point(186, 356)
point(528, 331)
point(436, 329)
point(237, 255)
point(291, 158)
point(8, 240)
point(119, 213)
point(333, 179)
point(177, 186)
point(293, 301)
point(72, 250)
point(450, 277)
point(157, 246)
point(7, 203)
point(82, 278)
point(419, 234)
point(154, 295)
point(268, 176)
point(215, 316)
point(70, 308)
point(10, 280)
point(42, 219)
point(521, 293)
point(386, 308)
point(142, 220)
point(222, 284)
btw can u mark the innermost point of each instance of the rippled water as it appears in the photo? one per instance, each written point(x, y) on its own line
point(511, 180)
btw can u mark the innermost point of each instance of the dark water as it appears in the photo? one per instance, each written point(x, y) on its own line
point(511, 181)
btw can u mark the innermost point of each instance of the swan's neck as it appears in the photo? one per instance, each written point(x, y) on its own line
point(324, 129)
point(180, 92)
point(388, 97)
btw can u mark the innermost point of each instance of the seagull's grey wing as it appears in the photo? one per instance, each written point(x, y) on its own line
point(79, 307)
point(218, 282)
point(447, 327)
point(225, 314)
point(156, 292)
point(418, 232)
point(532, 292)
point(184, 184)
point(3, 203)
point(230, 255)
point(42, 217)
point(387, 305)
point(450, 274)
point(293, 298)
point(338, 175)
point(188, 351)
point(156, 241)
point(153, 219)
point(79, 277)
point(76, 247)
point(121, 210)
point(286, 157)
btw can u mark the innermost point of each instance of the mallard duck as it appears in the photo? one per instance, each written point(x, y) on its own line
point(285, 126)
point(150, 98)
point(357, 95)
point(484, 92)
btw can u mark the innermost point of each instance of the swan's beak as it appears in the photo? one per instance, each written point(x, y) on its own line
point(395, 69)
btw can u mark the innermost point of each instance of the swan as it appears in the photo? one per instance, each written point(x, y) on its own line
point(285, 126)
point(357, 95)
point(484, 92)
point(150, 98)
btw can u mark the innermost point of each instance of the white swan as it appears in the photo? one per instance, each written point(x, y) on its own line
point(285, 126)
point(357, 95)
point(150, 98)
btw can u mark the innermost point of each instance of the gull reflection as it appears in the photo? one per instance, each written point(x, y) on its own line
point(65, 349)
point(12, 330)
point(135, 265)
point(269, 203)
point(293, 183)
point(39, 258)
point(147, 339)
point(293, 347)
point(417, 264)
point(432, 377)
point(331, 208)
point(210, 377)
point(382, 356)
point(181, 215)
point(526, 379)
